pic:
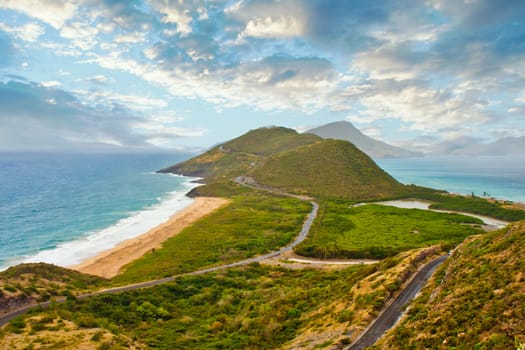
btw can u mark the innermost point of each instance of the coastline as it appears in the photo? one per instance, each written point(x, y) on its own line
point(108, 263)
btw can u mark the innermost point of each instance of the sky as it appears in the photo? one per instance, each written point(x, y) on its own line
point(185, 75)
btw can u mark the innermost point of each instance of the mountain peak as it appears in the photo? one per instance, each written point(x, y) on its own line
point(344, 130)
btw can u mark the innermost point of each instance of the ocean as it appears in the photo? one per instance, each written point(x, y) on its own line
point(64, 208)
point(501, 177)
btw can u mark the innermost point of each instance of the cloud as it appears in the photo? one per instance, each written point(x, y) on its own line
point(49, 118)
point(269, 27)
point(29, 32)
point(81, 34)
point(99, 80)
point(51, 83)
point(52, 12)
point(134, 37)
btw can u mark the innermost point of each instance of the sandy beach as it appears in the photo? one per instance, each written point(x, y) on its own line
point(108, 263)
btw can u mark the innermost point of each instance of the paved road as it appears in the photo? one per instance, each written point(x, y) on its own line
point(391, 313)
point(302, 235)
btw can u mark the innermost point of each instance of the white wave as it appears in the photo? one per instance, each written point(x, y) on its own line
point(74, 252)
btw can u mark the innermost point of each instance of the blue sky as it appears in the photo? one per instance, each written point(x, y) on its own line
point(93, 74)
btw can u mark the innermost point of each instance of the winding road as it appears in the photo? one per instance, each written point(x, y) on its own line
point(393, 310)
point(374, 331)
point(302, 235)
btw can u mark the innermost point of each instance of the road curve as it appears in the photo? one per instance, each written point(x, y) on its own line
point(302, 235)
point(393, 310)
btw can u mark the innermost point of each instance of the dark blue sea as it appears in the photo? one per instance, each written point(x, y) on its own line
point(501, 177)
point(64, 208)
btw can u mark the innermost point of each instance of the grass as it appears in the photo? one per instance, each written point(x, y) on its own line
point(475, 205)
point(474, 301)
point(252, 224)
point(251, 307)
point(41, 282)
point(266, 141)
point(296, 163)
point(328, 169)
point(375, 231)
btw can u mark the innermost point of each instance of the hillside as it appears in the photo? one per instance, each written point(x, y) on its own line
point(345, 131)
point(298, 163)
point(475, 301)
point(328, 169)
point(25, 283)
point(239, 155)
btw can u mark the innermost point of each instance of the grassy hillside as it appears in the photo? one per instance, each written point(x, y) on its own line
point(252, 224)
point(328, 169)
point(375, 231)
point(266, 141)
point(298, 163)
point(475, 301)
point(40, 282)
point(251, 307)
point(239, 155)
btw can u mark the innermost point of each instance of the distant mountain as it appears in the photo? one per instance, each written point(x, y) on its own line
point(344, 130)
point(504, 146)
point(297, 163)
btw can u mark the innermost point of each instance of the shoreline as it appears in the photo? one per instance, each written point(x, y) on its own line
point(108, 263)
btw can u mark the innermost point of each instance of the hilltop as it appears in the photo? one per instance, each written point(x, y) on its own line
point(237, 156)
point(475, 301)
point(297, 163)
point(328, 169)
point(344, 130)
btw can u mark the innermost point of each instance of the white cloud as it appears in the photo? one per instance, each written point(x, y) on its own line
point(99, 79)
point(130, 38)
point(52, 12)
point(273, 27)
point(82, 35)
point(173, 13)
point(51, 83)
point(29, 32)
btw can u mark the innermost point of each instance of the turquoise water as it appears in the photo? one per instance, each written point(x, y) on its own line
point(501, 177)
point(63, 208)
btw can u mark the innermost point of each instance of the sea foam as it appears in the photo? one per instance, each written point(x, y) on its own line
point(76, 251)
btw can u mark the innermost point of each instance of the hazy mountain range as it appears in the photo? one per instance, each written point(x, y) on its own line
point(473, 147)
point(344, 130)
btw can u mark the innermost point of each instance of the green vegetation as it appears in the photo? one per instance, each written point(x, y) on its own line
point(252, 307)
point(25, 282)
point(296, 163)
point(474, 301)
point(240, 155)
point(475, 205)
point(215, 165)
point(376, 231)
point(267, 141)
point(252, 224)
point(328, 169)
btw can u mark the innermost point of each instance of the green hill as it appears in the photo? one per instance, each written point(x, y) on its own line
point(298, 163)
point(238, 156)
point(328, 169)
point(475, 301)
point(25, 283)
point(270, 140)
